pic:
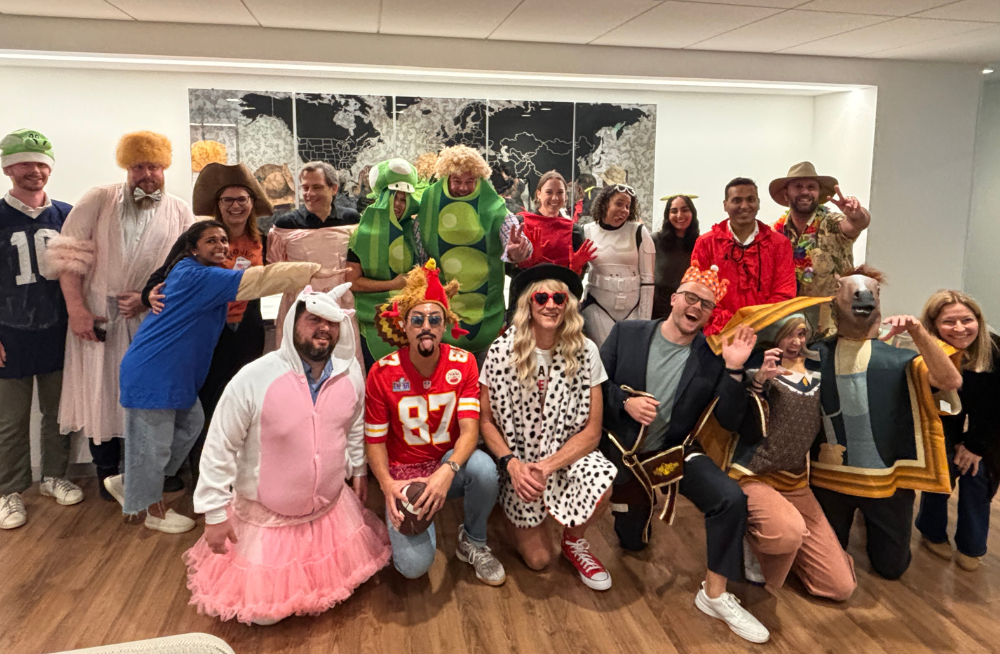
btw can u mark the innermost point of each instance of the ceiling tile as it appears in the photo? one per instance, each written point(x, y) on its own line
point(471, 19)
point(985, 10)
point(786, 30)
point(680, 24)
point(333, 15)
point(875, 7)
point(895, 33)
point(566, 21)
point(62, 9)
point(980, 47)
point(221, 12)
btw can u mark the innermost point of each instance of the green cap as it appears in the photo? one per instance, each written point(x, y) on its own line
point(26, 145)
point(395, 174)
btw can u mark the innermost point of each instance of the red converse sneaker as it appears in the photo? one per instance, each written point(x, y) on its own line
point(592, 573)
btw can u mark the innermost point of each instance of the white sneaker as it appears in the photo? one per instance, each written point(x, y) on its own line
point(266, 622)
point(488, 569)
point(63, 490)
point(751, 565)
point(728, 609)
point(171, 522)
point(12, 513)
point(116, 486)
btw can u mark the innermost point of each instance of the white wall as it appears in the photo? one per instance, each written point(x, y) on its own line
point(982, 264)
point(703, 139)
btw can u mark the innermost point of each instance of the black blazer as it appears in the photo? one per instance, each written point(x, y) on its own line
point(625, 353)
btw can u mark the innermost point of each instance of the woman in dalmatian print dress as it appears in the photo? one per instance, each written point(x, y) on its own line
point(541, 417)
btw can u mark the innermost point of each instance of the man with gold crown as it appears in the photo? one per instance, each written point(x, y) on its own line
point(422, 426)
point(111, 242)
point(663, 383)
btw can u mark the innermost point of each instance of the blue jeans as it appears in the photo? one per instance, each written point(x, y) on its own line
point(476, 482)
point(156, 443)
point(973, 514)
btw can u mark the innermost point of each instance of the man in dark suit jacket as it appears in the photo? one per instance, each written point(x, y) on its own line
point(671, 360)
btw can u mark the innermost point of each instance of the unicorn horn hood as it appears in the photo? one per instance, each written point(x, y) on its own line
point(324, 305)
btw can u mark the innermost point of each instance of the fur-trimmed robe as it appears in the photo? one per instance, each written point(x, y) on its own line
point(91, 245)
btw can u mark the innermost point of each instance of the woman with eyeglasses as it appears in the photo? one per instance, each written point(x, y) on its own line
point(234, 197)
point(674, 243)
point(620, 281)
point(541, 409)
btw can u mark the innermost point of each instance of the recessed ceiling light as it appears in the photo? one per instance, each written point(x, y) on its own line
point(987, 70)
point(232, 100)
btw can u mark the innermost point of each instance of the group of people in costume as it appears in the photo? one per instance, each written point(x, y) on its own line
point(748, 369)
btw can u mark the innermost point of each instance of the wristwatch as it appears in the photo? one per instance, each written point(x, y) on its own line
point(454, 466)
point(504, 462)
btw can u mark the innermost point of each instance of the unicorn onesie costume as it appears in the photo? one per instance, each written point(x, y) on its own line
point(274, 464)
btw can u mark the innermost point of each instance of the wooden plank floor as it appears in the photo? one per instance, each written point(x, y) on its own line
point(78, 577)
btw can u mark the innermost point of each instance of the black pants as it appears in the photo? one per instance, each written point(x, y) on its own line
point(888, 521)
point(718, 497)
point(107, 457)
point(234, 350)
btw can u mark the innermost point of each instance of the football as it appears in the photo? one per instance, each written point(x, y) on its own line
point(412, 525)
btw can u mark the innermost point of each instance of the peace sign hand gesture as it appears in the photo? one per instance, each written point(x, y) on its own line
point(849, 206)
point(518, 245)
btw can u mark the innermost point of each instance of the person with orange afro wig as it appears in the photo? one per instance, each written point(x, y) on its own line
point(113, 239)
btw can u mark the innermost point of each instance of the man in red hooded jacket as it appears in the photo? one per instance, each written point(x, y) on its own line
point(755, 259)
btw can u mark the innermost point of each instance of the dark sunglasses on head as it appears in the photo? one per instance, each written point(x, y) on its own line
point(434, 320)
point(693, 299)
point(541, 298)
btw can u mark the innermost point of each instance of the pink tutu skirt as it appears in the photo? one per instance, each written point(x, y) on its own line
point(281, 566)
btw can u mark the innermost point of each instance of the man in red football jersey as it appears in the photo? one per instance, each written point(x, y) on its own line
point(422, 425)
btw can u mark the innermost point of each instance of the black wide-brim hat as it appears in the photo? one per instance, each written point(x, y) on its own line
point(542, 272)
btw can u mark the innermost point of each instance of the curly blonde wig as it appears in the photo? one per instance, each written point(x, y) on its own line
point(143, 147)
point(461, 159)
point(425, 165)
point(569, 337)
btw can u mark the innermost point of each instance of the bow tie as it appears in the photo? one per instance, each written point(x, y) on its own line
point(138, 194)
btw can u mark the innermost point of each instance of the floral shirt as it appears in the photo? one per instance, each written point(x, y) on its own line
point(819, 251)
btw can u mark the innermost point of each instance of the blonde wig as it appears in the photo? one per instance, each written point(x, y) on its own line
point(460, 159)
point(569, 337)
point(425, 165)
point(978, 357)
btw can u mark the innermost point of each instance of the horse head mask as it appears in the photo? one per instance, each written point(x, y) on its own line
point(856, 308)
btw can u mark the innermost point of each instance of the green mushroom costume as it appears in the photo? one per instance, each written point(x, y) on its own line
point(383, 247)
point(463, 235)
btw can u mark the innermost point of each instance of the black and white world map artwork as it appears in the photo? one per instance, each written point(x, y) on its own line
point(590, 144)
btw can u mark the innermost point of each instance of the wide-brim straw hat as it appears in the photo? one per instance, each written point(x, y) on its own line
point(216, 176)
point(801, 170)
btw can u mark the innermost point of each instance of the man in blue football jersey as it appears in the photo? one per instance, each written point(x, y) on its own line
point(32, 328)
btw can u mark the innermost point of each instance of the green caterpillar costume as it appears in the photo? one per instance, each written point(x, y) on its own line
point(382, 244)
point(463, 235)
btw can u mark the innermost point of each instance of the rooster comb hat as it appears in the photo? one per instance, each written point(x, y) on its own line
point(423, 284)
